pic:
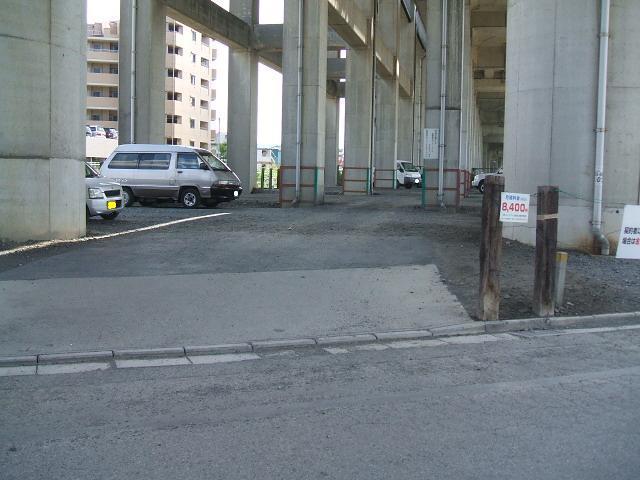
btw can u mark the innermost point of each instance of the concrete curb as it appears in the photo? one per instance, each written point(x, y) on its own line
point(471, 328)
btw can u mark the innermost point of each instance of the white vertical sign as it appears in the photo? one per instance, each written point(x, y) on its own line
point(514, 207)
point(430, 147)
point(629, 243)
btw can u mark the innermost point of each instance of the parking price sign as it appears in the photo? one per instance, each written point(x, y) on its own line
point(629, 243)
point(514, 207)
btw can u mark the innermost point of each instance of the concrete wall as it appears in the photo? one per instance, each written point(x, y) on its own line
point(550, 117)
point(42, 192)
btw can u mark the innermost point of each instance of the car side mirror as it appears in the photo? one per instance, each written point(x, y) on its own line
point(203, 166)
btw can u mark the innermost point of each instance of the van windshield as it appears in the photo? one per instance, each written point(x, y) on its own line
point(214, 162)
point(409, 167)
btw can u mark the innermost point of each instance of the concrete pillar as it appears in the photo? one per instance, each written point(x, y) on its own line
point(331, 142)
point(42, 141)
point(358, 107)
point(150, 72)
point(386, 113)
point(242, 123)
point(419, 90)
point(314, 98)
point(550, 114)
point(406, 51)
point(453, 100)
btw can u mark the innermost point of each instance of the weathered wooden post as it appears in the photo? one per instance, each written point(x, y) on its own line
point(546, 242)
point(491, 249)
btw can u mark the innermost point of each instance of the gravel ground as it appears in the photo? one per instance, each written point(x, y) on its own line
point(447, 239)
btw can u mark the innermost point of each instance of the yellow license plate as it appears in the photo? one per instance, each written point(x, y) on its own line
point(111, 205)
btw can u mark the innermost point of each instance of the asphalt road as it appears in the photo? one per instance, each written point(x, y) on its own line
point(528, 408)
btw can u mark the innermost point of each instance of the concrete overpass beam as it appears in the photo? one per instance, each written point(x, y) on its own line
point(150, 73)
point(42, 144)
point(314, 97)
point(242, 122)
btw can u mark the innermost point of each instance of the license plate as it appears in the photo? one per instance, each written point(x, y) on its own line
point(111, 205)
point(235, 193)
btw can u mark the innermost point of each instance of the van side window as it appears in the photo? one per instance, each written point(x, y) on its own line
point(188, 161)
point(154, 161)
point(124, 160)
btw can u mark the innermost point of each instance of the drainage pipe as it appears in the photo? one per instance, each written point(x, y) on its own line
point(132, 99)
point(299, 101)
point(443, 103)
point(374, 73)
point(601, 129)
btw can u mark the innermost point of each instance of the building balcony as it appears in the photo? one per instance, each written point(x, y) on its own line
point(102, 56)
point(102, 103)
point(108, 79)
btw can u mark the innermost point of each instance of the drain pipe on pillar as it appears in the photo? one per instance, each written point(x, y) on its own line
point(132, 97)
point(443, 103)
point(372, 146)
point(299, 101)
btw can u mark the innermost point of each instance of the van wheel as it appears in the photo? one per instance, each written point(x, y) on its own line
point(110, 216)
point(190, 198)
point(127, 197)
point(481, 186)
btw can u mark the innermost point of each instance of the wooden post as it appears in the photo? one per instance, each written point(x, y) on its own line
point(546, 241)
point(262, 177)
point(270, 178)
point(491, 249)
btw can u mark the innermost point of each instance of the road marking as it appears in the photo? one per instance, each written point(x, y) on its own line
point(153, 362)
point(222, 358)
point(335, 350)
point(71, 368)
point(416, 343)
point(15, 371)
point(49, 243)
point(464, 340)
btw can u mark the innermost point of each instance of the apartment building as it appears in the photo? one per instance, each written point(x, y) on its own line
point(190, 75)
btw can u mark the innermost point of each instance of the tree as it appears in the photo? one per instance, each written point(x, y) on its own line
point(223, 150)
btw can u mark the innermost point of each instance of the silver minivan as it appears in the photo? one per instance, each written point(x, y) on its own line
point(189, 175)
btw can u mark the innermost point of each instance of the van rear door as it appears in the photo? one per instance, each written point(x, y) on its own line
point(155, 178)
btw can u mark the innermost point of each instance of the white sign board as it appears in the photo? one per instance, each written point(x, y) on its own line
point(629, 244)
point(431, 139)
point(514, 207)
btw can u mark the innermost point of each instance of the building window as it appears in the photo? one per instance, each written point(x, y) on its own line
point(96, 69)
point(113, 92)
point(192, 123)
point(96, 93)
point(174, 72)
point(173, 141)
point(204, 83)
point(113, 116)
point(214, 54)
point(193, 79)
point(194, 35)
point(95, 116)
point(174, 119)
point(193, 57)
point(213, 115)
point(204, 104)
point(113, 69)
point(95, 46)
point(192, 143)
point(213, 94)
point(204, 62)
point(204, 125)
point(193, 101)
point(113, 46)
point(174, 27)
point(175, 96)
point(214, 74)
point(174, 50)
point(204, 145)
point(205, 40)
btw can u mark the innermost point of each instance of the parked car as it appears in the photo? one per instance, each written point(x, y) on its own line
point(104, 197)
point(88, 131)
point(478, 180)
point(97, 131)
point(191, 176)
point(407, 174)
point(111, 132)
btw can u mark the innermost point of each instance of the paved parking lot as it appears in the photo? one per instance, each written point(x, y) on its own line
point(352, 265)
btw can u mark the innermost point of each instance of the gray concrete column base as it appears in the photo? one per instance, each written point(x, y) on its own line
point(41, 199)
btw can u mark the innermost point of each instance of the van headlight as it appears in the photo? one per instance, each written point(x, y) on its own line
point(95, 193)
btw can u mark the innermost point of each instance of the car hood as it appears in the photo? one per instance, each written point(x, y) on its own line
point(98, 182)
point(227, 175)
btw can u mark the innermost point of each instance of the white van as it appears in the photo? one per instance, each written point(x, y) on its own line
point(407, 174)
point(191, 176)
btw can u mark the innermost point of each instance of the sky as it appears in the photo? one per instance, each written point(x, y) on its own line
point(269, 81)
